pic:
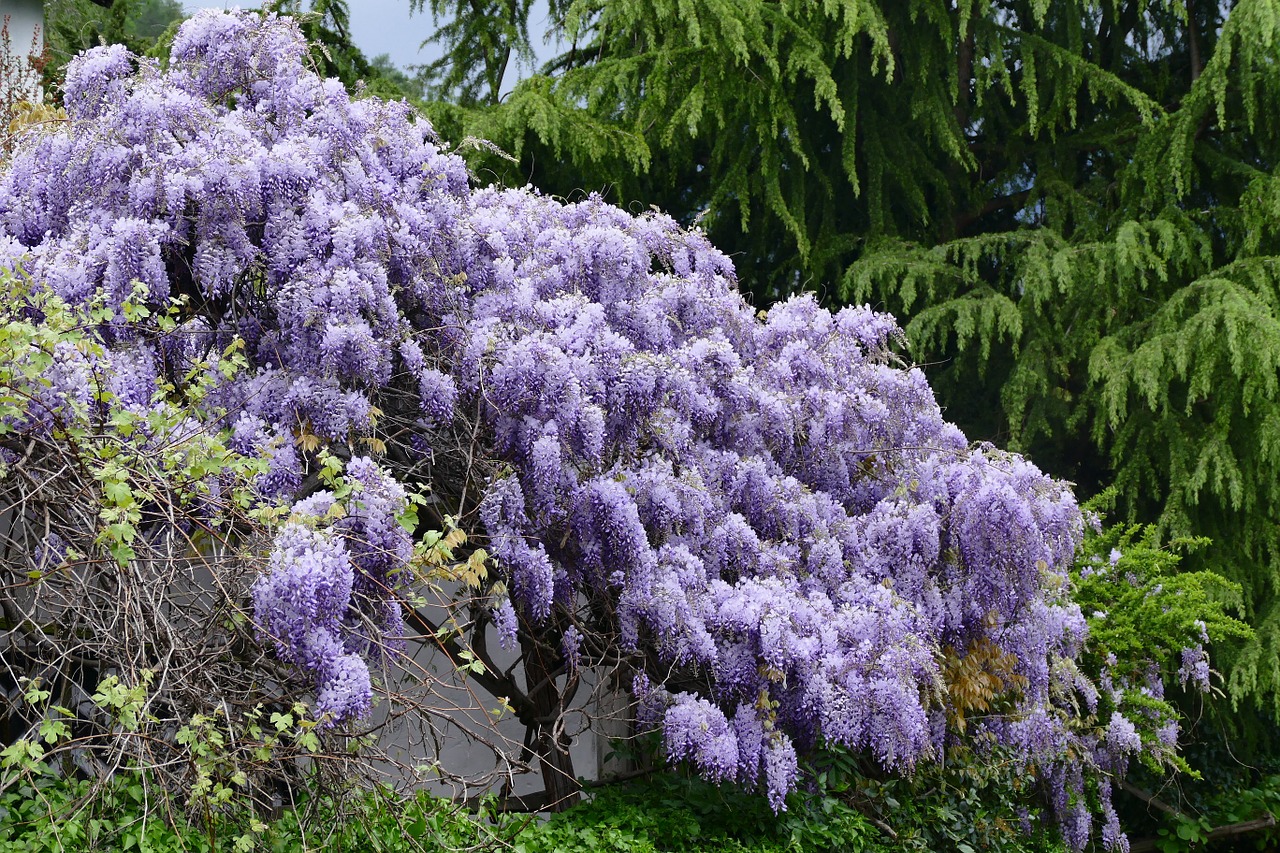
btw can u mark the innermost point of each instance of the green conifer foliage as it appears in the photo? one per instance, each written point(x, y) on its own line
point(1073, 205)
point(480, 39)
point(75, 25)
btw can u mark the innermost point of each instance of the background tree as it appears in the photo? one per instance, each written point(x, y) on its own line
point(410, 84)
point(480, 39)
point(149, 19)
point(327, 26)
point(76, 25)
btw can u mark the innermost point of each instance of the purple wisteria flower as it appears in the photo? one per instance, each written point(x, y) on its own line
point(329, 579)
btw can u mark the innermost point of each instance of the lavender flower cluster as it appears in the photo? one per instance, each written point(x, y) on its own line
point(326, 599)
point(299, 219)
point(280, 212)
point(770, 509)
point(772, 503)
point(302, 602)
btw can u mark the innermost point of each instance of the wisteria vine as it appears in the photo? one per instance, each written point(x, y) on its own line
point(764, 517)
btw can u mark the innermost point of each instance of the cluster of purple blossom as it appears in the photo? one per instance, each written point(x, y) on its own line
point(282, 212)
point(292, 214)
point(326, 598)
point(302, 602)
point(770, 507)
point(773, 504)
point(64, 381)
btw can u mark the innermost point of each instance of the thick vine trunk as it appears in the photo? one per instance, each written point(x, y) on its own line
point(551, 746)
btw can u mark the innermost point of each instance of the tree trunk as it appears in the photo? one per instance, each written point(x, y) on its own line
point(561, 783)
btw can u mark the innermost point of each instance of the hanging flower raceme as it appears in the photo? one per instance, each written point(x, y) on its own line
point(326, 598)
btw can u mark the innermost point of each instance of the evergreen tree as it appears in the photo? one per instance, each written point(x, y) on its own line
point(408, 83)
point(151, 18)
point(76, 25)
point(480, 38)
point(327, 26)
point(1072, 205)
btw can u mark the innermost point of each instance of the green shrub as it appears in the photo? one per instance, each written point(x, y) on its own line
point(936, 810)
point(666, 812)
point(46, 814)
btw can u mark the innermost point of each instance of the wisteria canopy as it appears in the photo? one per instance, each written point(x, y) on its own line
point(762, 519)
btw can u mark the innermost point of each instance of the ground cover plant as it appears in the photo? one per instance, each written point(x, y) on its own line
point(286, 401)
point(57, 815)
point(666, 812)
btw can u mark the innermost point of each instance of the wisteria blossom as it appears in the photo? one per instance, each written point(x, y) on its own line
point(765, 514)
